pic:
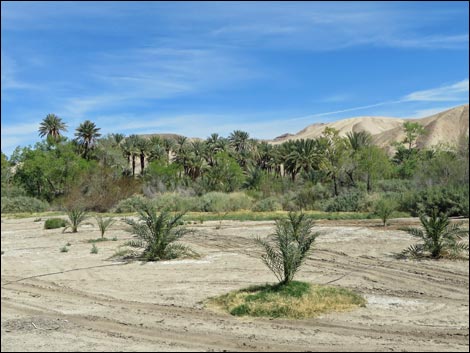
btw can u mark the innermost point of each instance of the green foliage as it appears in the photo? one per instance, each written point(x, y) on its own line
point(130, 204)
point(451, 200)
point(104, 224)
point(94, 249)
point(373, 163)
point(177, 202)
point(269, 204)
point(49, 170)
point(53, 223)
point(76, 217)
point(23, 204)
point(347, 202)
point(384, 208)
point(221, 202)
point(64, 249)
point(440, 238)
point(412, 132)
point(290, 246)
point(226, 175)
point(158, 234)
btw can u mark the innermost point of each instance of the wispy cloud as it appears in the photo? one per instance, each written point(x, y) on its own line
point(454, 92)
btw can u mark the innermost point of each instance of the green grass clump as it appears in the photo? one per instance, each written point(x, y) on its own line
point(296, 300)
point(94, 249)
point(98, 240)
point(53, 223)
point(64, 249)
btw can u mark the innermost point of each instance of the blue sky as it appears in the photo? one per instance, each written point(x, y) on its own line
point(201, 67)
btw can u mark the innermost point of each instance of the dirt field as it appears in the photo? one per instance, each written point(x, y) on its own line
point(77, 301)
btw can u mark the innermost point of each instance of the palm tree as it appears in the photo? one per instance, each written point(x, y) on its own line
point(303, 155)
point(142, 146)
point(51, 126)
point(292, 241)
point(439, 236)
point(86, 136)
point(360, 139)
point(157, 234)
point(239, 140)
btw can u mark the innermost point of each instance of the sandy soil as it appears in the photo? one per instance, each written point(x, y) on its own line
point(78, 301)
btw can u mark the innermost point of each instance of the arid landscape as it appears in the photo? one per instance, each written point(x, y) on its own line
point(77, 301)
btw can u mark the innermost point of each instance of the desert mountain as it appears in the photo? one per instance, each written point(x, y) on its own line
point(445, 127)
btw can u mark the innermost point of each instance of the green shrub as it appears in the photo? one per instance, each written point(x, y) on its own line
point(347, 202)
point(53, 223)
point(384, 208)
point(94, 249)
point(221, 202)
point(394, 185)
point(130, 204)
point(267, 205)
point(64, 249)
point(23, 204)
point(452, 201)
point(177, 203)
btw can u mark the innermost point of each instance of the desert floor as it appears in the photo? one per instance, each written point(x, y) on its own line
point(78, 301)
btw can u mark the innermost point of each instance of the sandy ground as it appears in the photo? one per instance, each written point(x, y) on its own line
point(77, 301)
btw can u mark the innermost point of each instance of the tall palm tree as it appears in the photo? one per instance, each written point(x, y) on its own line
point(86, 136)
point(132, 149)
point(143, 146)
point(239, 140)
point(303, 155)
point(51, 126)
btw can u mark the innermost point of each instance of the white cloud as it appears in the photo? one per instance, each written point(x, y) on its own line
point(454, 92)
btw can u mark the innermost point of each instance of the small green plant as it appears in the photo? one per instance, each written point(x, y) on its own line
point(76, 217)
point(53, 223)
point(440, 238)
point(384, 208)
point(94, 249)
point(291, 244)
point(157, 234)
point(104, 224)
point(64, 249)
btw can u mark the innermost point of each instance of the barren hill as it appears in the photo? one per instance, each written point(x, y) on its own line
point(445, 127)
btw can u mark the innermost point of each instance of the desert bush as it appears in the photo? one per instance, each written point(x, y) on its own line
point(177, 202)
point(347, 202)
point(23, 204)
point(64, 249)
point(267, 205)
point(394, 185)
point(104, 224)
point(76, 217)
point(440, 238)
point(53, 223)
point(291, 244)
point(451, 200)
point(157, 234)
point(130, 204)
point(94, 249)
point(221, 202)
point(384, 208)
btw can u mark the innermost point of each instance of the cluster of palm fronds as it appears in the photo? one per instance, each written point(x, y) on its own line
point(440, 238)
point(290, 245)
point(157, 234)
point(76, 217)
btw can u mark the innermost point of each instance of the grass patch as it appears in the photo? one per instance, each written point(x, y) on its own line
point(97, 240)
point(268, 216)
point(64, 249)
point(94, 249)
point(296, 300)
